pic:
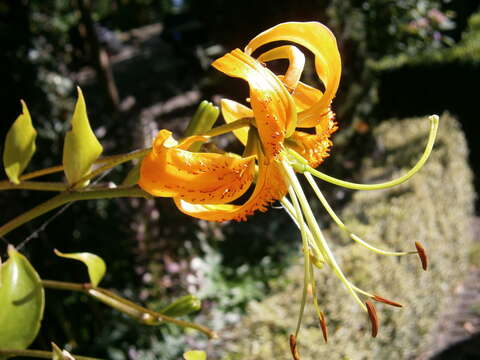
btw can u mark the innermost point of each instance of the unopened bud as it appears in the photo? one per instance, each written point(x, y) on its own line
point(182, 306)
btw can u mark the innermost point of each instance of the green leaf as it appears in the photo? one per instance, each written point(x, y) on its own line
point(59, 354)
point(95, 264)
point(81, 147)
point(19, 145)
point(22, 301)
point(195, 355)
point(133, 175)
point(182, 306)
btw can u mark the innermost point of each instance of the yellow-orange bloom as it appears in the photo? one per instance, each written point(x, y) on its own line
point(204, 185)
point(278, 105)
point(170, 170)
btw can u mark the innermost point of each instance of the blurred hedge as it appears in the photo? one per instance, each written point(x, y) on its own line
point(434, 207)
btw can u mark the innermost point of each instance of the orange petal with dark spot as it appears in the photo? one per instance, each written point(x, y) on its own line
point(269, 187)
point(273, 107)
point(170, 170)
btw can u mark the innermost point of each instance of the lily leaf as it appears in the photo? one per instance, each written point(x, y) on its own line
point(81, 147)
point(19, 145)
point(59, 354)
point(22, 301)
point(182, 306)
point(195, 355)
point(133, 175)
point(95, 264)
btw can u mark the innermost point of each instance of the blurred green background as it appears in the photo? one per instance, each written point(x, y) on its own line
point(144, 65)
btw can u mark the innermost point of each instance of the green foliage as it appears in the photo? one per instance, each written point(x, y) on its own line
point(94, 263)
point(21, 302)
point(466, 51)
point(434, 207)
point(182, 306)
point(19, 145)
point(81, 147)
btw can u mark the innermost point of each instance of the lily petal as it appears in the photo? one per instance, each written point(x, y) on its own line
point(313, 147)
point(270, 186)
point(274, 109)
point(232, 111)
point(169, 170)
point(296, 61)
point(321, 42)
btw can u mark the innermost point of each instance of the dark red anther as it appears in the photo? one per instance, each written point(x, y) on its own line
point(293, 347)
point(323, 325)
point(422, 255)
point(372, 314)
point(386, 301)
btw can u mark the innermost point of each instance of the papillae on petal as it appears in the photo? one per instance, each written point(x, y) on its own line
point(170, 170)
point(269, 187)
point(274, 108)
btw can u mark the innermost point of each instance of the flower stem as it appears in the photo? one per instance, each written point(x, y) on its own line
point(139, 313)
point(70, 196)
point(226, 128)
point(112, 162)
point(39, 354)
point(33, 185)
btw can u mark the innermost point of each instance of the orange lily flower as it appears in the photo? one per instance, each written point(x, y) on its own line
point(278, 104)
point(203, 185)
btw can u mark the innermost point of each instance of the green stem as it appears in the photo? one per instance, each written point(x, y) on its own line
point(39, 354)
point(33, 185)
point(112, 162)
point(70, 196)
point(141, 314)
point(42, 172)
point(223, 129)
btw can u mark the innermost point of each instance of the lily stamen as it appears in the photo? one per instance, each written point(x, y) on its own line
point(317, 233)
point(306, 257)
point(304, 167)
point(342, 225)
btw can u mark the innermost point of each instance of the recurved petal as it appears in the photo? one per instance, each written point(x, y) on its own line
point(270, 186)
point(321, 42)
point(272, 105)
point(170, 171)
point(296, 62)
point(305, 96)
point(233, 111)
